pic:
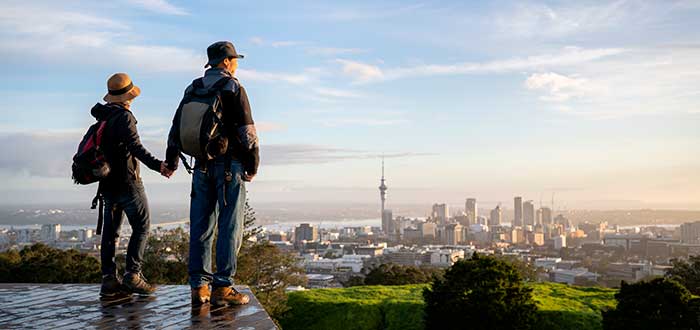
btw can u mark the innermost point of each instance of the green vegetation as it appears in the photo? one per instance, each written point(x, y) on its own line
point(661, 303)
point(401, 307)
point(483, 292)
point(393, 274)
point(687, 273)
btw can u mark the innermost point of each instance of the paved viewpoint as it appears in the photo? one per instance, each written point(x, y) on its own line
point(77, 306)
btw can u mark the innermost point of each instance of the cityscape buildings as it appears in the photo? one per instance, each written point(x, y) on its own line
point(518, 211)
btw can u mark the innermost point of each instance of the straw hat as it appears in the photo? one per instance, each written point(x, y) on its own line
point(121, 88)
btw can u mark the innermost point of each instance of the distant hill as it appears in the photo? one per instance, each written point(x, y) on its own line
point(401, 307)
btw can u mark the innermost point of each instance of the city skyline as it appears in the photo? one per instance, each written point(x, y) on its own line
point(596, 102)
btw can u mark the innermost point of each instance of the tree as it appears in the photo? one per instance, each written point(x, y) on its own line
point(479, 293)
point(166, 257)
point(686, 273)
point(266, 269)
point(393, 274)
point(527, 271)
point(661, 303)
point(269, 271)
point(40, 263)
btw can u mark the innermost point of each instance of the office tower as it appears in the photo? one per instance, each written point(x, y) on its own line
point(305, 232)
point(50, 233)
point(440, 213)
point(546, 216)
point(428, 230)
point(495, 219)
point(518, 208)
point(470, 210)
point(452, 234)
point(388, 226)
point(690, 232)
point(538, 216)
point(528, 213)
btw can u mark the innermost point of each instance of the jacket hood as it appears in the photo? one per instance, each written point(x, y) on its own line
point(102, 111)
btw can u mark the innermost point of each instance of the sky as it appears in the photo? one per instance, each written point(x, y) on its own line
point(596, 103)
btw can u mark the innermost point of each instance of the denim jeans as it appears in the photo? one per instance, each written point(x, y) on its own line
point(133, 202)
point(207, 212)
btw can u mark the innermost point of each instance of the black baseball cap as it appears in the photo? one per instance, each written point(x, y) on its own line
point(220, 50)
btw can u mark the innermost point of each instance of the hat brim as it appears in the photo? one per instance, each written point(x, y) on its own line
point(218, 60)
point(131, 94)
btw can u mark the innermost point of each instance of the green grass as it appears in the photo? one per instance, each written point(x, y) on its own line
point(401, 307)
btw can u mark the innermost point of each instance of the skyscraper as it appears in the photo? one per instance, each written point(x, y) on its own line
point(495, 219)
point(518, 219)
point(470, 210)
point(528, 213)
point(546, 216)
point(441, 213)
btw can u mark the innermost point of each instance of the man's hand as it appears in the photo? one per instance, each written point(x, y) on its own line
point(165, 171)
point(247, 177)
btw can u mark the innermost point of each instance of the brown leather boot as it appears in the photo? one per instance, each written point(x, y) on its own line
point(228, 296)
point(200, 295)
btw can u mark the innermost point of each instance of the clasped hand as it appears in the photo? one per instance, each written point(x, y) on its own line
point(165, 171)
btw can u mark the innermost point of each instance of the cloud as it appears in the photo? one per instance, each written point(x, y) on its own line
point(259, 41)
point(159, 6)
point(365, 73)
point(296, 79)
point(334, 51)
point(558, 87)
point(337, 122)
point(57, 149)
point(361, 72)
point(541, 20)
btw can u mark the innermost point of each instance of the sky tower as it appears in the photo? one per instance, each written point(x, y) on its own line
point(387, 218)
point(383, 188)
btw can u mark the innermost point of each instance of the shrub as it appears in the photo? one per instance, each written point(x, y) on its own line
point(686, 273)
point(479, 293)
point(661, 303)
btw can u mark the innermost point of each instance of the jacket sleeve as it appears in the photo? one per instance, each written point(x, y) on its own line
point(172, 154)
point(130, 137)
point(237, 106)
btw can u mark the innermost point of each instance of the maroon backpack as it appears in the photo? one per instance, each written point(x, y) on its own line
point(90, 165)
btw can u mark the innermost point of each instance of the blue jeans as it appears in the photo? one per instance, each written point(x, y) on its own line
point(208, 192)
point(133, 202)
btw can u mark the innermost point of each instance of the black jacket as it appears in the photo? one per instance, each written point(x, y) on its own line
point(122, 147)
point(238, 125)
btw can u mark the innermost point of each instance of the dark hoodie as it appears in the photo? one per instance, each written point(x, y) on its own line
point(122, 147)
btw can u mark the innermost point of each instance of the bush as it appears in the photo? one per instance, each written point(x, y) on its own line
point(661, 303)
point(479, 293)
point(40, 263)
point(392, 274)
point(686, 273)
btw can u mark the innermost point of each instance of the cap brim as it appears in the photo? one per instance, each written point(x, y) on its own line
point(131, 94)
point(218, 60)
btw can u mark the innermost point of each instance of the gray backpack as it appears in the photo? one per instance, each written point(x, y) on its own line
point(201, 124)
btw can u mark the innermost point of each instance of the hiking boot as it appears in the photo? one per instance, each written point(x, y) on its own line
point(112, 288)
point(228, 296)
point(201, 295)
point(136, 283)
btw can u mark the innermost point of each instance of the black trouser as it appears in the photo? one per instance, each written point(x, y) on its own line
point(133, 202)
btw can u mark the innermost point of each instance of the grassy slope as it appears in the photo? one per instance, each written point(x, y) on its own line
point(401, 307)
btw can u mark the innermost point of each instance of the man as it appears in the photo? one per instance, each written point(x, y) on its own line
point(123, 189)
point(219, 181)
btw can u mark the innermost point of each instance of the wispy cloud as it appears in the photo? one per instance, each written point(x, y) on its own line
point(334, 51)
point(364, 73)
point(159, 6)
point(259, 41)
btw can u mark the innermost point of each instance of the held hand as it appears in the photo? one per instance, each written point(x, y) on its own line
point(165, 171)
point(247, 177)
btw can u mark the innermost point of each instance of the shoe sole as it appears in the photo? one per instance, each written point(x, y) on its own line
point(228, 303)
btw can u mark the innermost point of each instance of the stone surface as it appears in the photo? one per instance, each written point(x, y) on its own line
point(77, 306)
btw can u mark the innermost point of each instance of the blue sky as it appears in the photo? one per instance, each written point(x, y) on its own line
point(594, 101)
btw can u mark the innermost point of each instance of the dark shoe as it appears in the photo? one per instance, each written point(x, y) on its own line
point(112, 288)
point(136, 283)
point(228, 296)
point(201, 295)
